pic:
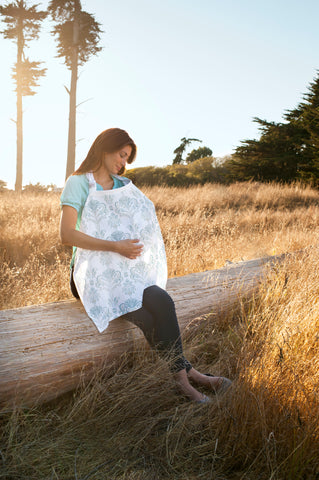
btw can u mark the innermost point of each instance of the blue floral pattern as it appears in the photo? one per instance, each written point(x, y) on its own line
point(109, 284)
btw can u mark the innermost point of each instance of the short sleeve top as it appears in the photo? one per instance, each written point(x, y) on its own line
point(75, 193)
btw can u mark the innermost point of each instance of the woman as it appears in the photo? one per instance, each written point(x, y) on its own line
point(118, 265)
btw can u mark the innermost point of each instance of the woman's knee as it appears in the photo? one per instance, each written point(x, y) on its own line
point(156, 298)
point(144, 320)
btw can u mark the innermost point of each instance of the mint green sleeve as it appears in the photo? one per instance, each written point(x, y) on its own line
point(75, 192)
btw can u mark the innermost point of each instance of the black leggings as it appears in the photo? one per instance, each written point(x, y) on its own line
point(158, 322)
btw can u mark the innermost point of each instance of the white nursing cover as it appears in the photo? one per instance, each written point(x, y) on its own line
point(109, 284)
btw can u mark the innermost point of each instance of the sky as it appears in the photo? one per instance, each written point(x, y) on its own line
point(168, 69)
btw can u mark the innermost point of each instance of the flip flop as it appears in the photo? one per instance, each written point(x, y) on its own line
point(222, 385)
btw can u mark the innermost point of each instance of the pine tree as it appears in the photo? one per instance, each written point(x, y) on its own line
point(285, 151)
point(78, 35)
point(306, 117)
point(22, 25)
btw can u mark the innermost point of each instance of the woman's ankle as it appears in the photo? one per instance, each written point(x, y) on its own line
point(194, 375)
point(186, 388)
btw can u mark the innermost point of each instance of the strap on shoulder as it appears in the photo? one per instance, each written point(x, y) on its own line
point(92, 182)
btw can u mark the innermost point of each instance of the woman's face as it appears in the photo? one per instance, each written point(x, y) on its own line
point(114, 162)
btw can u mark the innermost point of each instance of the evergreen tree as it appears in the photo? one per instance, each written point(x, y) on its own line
point(22, 25)
point(181, 148)
point(198, 153)
point(285, 151)
point(306, 117)
point(78, 34)
point(275, 156)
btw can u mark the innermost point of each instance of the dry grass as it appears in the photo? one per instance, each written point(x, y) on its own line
point(205, 226)
point(202, 228)
point(33, 262)
point(130, 424)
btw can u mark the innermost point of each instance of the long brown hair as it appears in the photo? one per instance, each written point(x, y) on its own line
point(109, 141)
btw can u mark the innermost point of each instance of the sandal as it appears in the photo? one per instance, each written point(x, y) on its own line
point(223, 384)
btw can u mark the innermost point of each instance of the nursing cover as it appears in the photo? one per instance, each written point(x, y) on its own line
point(109, 284)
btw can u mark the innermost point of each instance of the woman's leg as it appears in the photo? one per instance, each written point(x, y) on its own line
point(166, 332)
point(157, 319)
point(165, 346)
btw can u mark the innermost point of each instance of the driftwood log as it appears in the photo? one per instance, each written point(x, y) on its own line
point(46, 349)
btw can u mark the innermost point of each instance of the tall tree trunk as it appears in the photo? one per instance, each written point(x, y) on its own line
point(18, 184)
point(70, 166)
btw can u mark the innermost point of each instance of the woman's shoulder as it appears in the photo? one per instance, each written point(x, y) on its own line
point(75, 191)
point(77, 181)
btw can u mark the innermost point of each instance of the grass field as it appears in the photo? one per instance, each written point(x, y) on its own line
point(130, 423)
point(203, 227)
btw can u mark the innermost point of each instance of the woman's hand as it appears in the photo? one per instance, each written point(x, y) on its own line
point(129, 248)
point(70, 236)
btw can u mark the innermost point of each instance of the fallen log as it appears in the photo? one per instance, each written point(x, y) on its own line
point(47, 349)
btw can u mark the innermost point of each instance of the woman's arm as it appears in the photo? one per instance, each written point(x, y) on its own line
point(70, 236)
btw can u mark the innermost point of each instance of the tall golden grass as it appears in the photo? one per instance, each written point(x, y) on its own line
point(202, 226)
point(130, 423)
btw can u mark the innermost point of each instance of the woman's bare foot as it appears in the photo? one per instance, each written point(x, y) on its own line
point(186, 388)
point(218, 384)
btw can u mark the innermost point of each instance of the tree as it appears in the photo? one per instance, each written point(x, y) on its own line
point(78, 35)
point(275, 156)
point(306, 118)
point(285, 151)
point(198, 153)
point(181, 148)
point(23, 24)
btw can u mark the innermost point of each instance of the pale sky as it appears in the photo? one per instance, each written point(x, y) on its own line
point(168, 69)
